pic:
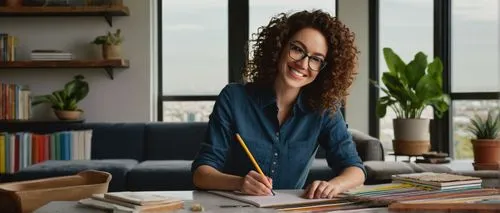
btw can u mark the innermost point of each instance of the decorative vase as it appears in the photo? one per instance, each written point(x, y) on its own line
point(486, 154)
point(111, 51)
point(68, 115)
point(411, 136)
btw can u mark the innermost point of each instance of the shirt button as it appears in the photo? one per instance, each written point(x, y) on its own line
point(277, 134)
point(274, 162)
point(272, 171)
point(275, 154)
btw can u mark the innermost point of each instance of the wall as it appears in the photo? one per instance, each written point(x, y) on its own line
point(354, 13)
point(127, 98)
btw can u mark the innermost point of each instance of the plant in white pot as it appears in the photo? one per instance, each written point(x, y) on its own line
point(409, 89)
point(64, 102)
point(111, 44)
point(486, 140)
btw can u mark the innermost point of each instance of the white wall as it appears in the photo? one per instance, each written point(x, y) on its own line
point(127, 98)
point(354, 13)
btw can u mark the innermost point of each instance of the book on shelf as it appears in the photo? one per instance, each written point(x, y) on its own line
point(50, 55)
point(7, 47)
point(15, 102)
point(22, 149)
point(133, 202)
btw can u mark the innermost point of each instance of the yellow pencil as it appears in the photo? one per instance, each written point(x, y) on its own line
point(242, 143)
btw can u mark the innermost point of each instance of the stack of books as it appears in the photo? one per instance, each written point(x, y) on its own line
point(439, 181)
point(133, 202)
point(50, 55)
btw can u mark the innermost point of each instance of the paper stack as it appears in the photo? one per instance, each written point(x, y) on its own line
point(439, 181)
point(50, 55)
point(133, 202)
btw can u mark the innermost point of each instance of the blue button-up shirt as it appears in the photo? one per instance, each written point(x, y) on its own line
point(284, 153)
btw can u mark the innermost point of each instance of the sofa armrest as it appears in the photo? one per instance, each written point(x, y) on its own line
point(368, 147)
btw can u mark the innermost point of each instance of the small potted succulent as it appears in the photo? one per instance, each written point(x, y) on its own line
point(64, 102)
point(486, 141)
point(111, 44)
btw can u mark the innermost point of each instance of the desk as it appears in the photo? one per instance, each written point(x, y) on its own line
point(209, 201)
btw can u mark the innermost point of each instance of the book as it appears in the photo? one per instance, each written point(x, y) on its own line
point(436, 179)
point(281, 199)
point(140, 198)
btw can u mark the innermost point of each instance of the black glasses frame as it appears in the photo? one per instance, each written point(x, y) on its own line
point(304, 55)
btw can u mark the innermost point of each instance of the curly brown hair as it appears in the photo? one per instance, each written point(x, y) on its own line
point(330, 88)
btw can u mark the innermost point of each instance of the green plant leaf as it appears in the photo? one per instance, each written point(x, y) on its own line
point(427, 88)
point(394, 85)
point(416, 69)
point(393, 61)
point(435, 70)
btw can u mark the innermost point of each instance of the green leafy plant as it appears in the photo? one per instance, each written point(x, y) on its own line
point(411, 87)
point(66, 99)
point(488, 128)
point(110, 38)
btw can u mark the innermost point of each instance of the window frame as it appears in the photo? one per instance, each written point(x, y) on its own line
point(238, 35)
point(441, 129)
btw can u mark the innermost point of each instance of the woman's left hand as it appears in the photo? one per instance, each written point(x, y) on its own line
point(321, 189)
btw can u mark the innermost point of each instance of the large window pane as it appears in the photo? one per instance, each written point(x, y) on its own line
point(261, 11)
point(462, 112)
point(194, 37)
point(187, 111)
point(407, 28)
point(475, 46)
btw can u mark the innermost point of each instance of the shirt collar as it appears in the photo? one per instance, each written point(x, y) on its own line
point(266, 96)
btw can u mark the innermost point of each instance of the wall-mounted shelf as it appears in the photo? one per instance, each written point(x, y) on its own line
point(29, 121)
point(107, 65)
point(107, 12)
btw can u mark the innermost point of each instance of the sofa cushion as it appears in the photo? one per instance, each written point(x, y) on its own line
point(118, 168)
point(368, 148)
point(174, 141)
point(108, 138)
point(155, 175)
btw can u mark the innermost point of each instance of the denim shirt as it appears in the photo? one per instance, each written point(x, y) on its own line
point(283, 153)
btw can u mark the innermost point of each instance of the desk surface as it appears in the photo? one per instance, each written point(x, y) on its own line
point(210, 202)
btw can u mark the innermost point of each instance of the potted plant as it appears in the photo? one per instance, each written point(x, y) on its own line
point(409, 89)
point(486, 140)
point(64, 102)
point(111, 44)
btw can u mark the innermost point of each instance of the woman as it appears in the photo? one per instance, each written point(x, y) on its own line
point(302, 67)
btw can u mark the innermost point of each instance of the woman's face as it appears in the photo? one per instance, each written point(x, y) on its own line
point(303, 57)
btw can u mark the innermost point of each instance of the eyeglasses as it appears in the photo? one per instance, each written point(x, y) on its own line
point(297, 53)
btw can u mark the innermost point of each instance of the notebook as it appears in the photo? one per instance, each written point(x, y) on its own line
point(282, 198)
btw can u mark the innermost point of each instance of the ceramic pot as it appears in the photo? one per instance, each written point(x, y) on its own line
point(111, 51)
point(68, 115)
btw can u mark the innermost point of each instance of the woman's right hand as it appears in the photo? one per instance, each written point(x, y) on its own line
point(255, 184)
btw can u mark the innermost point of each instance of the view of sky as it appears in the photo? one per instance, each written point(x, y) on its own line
point(195, 39)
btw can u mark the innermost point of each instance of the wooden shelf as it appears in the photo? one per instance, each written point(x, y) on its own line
point(107, 65)
point(21, 121)
point(105, 11)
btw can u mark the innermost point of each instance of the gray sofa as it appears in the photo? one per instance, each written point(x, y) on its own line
point(151, 156)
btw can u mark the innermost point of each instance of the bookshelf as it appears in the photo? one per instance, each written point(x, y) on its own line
point(108, 12)
point(107, 65)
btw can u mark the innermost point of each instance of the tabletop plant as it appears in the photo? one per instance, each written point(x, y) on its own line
point(111, 44)
point(65, 101)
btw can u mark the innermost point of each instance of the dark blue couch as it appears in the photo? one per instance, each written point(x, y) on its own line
point(150, 156)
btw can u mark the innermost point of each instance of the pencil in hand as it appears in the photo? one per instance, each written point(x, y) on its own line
point(254, 162)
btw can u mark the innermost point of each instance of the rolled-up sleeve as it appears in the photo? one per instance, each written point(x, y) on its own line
point(337, 141)
point(215, 146)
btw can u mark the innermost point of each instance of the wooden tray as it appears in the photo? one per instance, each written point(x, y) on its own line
point(27, 196)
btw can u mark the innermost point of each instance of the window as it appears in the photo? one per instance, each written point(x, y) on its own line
point(194, 49)
point(475, 46)
point(474, 66)
point(407, 28)
point(463, 110)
